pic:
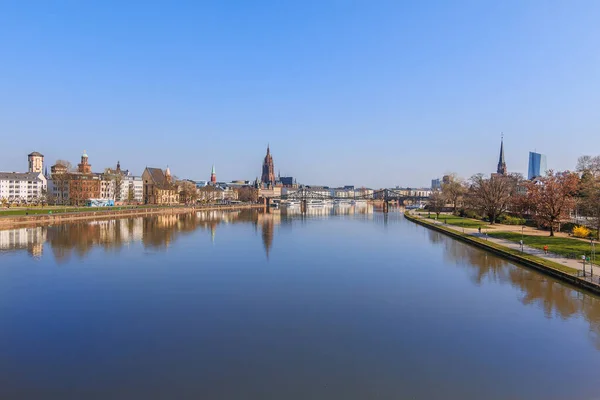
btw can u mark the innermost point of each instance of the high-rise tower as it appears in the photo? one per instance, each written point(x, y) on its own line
point(268, 169)
point(501, 163)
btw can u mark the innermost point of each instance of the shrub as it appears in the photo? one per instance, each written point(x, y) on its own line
point(510, 220)
point(470, 214)
point(581, 232)
point(567, 226)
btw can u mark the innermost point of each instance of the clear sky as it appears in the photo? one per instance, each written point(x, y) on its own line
point(375, 93)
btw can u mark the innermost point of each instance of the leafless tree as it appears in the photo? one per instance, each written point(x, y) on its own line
point(436, 202)
point(454, 191)
point(589, 164)
point(188, 193)
point(247, 194)
point(209, 194)
point(491, 196)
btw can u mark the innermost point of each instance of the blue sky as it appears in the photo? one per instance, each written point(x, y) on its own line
point(375, 93)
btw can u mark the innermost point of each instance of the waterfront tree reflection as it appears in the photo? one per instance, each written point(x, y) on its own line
point(556, 299)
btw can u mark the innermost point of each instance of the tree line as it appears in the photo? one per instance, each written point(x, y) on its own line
point(548, 199)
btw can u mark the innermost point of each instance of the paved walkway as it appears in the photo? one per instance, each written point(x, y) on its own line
point(568, 262)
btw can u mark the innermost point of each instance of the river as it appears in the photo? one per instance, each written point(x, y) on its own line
point(344, 303)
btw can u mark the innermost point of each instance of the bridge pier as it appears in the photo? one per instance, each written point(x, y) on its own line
point(386, 206)
point(303, 206)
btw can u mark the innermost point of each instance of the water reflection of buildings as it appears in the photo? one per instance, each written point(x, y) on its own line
point(554, 297)
point(30, 239)
point(156, 232)
point(328, 210)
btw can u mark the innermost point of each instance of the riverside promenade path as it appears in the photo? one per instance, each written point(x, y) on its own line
point(568, 262)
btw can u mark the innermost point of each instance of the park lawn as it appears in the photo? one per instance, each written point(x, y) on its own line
point(457, 221)
point(57, 210)
point(513, 252)
point(566, 247)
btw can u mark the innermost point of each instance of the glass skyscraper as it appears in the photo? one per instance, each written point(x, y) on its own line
point(537, 165)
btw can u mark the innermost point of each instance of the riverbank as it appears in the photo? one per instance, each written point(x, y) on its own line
point(8, 222)
point(555, 267)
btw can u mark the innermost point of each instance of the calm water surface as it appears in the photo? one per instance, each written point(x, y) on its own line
point(245, 305)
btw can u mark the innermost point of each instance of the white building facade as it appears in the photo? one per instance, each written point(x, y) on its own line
point(22, 187)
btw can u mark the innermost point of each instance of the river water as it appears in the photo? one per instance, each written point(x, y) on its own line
point(339, 304)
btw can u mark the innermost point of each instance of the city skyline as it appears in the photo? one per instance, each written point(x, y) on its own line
point(345, 94)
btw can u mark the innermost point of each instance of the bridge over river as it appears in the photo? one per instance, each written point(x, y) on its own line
point(386, 196)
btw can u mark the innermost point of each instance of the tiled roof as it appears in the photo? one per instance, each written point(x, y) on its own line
point(19, 176)
point(35, 153)
point(159, 178)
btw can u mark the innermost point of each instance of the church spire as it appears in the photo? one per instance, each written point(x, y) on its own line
point(501, 162)
point(213, 175)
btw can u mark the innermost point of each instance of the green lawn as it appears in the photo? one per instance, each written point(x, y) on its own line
point(457, 221)
point(566, 247)
point(513, 252)
point(58, 210)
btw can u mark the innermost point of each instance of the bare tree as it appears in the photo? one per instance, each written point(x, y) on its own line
point(117, 178)
point(552, 197)
point(436, 202)
point(247, 194)
point(589, 200)
point(491, 195)
point(589, 164)
point(454, 191)
point(209, 194)
point(66, 164)
point(188, 193)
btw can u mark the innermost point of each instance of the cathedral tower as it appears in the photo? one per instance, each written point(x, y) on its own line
point(268, 169)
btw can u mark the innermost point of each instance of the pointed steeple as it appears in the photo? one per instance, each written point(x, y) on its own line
point(213, 175)
point(501, 162)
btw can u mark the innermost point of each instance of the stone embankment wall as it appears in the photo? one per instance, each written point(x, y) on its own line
point(555, 273)
point(7, 222)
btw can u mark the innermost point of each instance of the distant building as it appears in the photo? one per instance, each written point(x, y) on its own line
point(446, 179)
point(287, 181)
point(159, 187)
point(268, 169)
point(213, 175)
point(501, 170)
point(436, 184)
point(363, 193)
point(537, 165)
point(84, 167)
point(36, 162)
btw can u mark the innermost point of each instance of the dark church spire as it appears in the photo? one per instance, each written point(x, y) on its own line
point(501, 162)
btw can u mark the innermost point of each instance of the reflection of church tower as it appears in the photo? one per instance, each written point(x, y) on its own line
point(268, 169)
point(267, 234)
